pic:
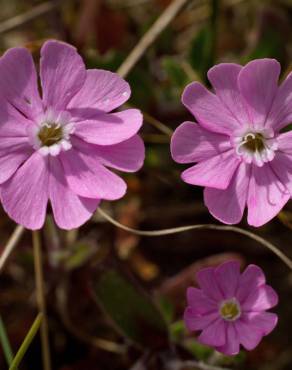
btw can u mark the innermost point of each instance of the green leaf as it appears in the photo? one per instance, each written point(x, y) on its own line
point(132, 312)
point(200, 51)
point(5, 343)
point(167, 309)
point(177, 330)
point(198, 350)
point(80, 253)
point(270, 45)
point(174, 71)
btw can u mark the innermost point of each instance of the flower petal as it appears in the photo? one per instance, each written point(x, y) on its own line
point(282, 166)
point(110, 129)
point(126, 156)
point(208, 109)
point(228, 205)
point(200, 303)
point(215, 172)
point(258, 83)
point(248, 336)
point(227, 276)
point(206, 279)
point(18, 83)
point(224, 78)
point(62, 73)
point(25, 195)
point(281, 112)
point(214, 334)
point(12, 122)
point(265, 321)
point(266, 195)
point(102, 90)
point(191, 143)
point(87, 177)
point(251, 278)
point(13, 152)
point(232, 344)
point(260, 299)
point(284, 141)
point(194, 321)
point(70, 211)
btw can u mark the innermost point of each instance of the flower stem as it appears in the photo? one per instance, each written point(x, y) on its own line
point(41, 301)
point(26, 343)
point(5, 343)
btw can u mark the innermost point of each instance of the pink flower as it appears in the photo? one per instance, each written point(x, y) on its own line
point(57, 147)
point(243, 159)
point(230, 308)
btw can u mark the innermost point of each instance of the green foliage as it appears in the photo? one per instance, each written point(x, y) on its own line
point(7, 350)
point(167, 309)
point(178, 331)
point(269, 46)
point(200, 51)
point(174, 71)
point(131, 310)
point(198, 350)
point(79, 254)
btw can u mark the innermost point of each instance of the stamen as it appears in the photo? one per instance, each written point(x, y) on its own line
point(50, 134)
point(256, 147)
point(230, 309)
point(246, 139)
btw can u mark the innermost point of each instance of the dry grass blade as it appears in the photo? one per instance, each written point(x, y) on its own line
point(21, 19)
point(150, 36)
point(14, 239)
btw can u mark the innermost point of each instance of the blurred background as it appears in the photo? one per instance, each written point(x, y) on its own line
point(115, 300)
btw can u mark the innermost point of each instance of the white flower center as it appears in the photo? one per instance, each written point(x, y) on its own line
point(256, 147)
point(230, 309)
point(52, 133)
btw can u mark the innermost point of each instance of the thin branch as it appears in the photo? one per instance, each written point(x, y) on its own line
point(13, 240)
point(157, 124)
point(154, 122)
point(41, 301)
point(150, 36)
point(21, 19)
point(181, 229)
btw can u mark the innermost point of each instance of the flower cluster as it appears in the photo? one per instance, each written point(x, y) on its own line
point(230, 308)
point(59, 139)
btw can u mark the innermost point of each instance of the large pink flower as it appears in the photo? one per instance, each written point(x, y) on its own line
point(57, 147)
point(243, 158)
point(230, 308)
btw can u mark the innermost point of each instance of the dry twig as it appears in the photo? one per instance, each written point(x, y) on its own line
point(181, 229)
point(22, 19)
point(13, 240)
point(150, 36)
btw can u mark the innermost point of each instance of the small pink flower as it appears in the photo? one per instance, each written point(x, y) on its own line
point(242, 157)
point(57, 147)
point(230, 308)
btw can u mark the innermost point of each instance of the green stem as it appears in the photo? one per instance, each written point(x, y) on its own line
point(41, 299)
point(26, 343)
point(5, 343)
